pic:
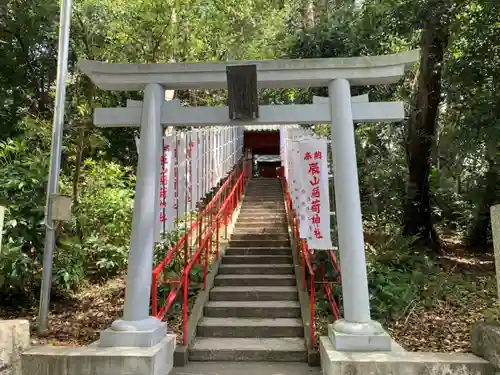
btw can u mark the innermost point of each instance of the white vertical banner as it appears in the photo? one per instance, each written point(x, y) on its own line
point(223, 152)
point(215, 158)
point(229, 149)
point(199, 165)
point(194, 169)
point(300, 191)
point(282, 144)
point(314, 165)
point(203, 172)
point(295, 176)
point(208, 160)
point(227, 160)
point(167, 212)
point(222, 161)
point(233, 149)
point(159, 168)
point(180, 202)
point(188, 169)
point(211, 158)
point(218, 153)
point(235, 145)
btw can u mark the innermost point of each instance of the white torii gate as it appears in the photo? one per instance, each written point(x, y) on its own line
point(356, 332)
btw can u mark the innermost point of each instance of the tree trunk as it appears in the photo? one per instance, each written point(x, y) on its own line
point(422, 130)
point(76, 178)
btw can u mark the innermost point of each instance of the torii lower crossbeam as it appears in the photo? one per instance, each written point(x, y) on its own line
point(173, 114)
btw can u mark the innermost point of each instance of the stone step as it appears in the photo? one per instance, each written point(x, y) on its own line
point(264, 214)
point(259, 196)
point(259, 209)
point(267, 190)
point(265, 180)
point(269, 184)
point(260, 236)
point(262, 200)
point(255, 212)
point(264, 191)
point(268, 223)
point(261, 221)
point(285, 349)
point(255, 209)
point(253, 293)
point(253, 309)
point(255, 280)
point(282, 229)
point(253, 220)
point(261, 224)
point(258, 251)
point(250, 327)
point(260, 212)
point(256, 269)
point(257, 259)
point(259, 243)
point(263, 206)
point(245, 218)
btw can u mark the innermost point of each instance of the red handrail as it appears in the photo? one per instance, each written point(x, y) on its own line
point(306, 258)
point(225, 210)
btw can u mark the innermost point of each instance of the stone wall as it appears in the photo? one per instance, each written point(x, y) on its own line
point(14, 339)
point(486, 342)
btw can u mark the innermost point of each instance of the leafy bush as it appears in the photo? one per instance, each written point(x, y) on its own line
point(397, 276)
point(105, 202)
point(94, 244)
point(103, 217)
point(23, 175)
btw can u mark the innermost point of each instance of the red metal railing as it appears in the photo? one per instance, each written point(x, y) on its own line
point(307, 260)
point(218, 212)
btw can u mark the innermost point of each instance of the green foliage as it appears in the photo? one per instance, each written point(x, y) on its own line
point(463, 177)
point(23, 175)
point(397, 275)
point(105, 204)
point(102, 217)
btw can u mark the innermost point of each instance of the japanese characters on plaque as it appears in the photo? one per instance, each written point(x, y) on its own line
point(314, 170)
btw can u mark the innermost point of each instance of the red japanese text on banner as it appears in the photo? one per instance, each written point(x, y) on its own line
point(314, 167)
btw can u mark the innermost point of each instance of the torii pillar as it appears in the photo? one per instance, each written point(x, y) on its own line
point(138, 328)
point(356, 332)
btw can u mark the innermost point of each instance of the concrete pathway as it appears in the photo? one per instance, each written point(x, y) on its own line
point(246, 368)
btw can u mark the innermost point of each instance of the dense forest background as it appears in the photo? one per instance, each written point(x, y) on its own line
point(427, 184)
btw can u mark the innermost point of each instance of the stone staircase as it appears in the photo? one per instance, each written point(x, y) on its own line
point(253, 313)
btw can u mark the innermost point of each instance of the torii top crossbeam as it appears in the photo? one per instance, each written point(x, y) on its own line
point(293, 73)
